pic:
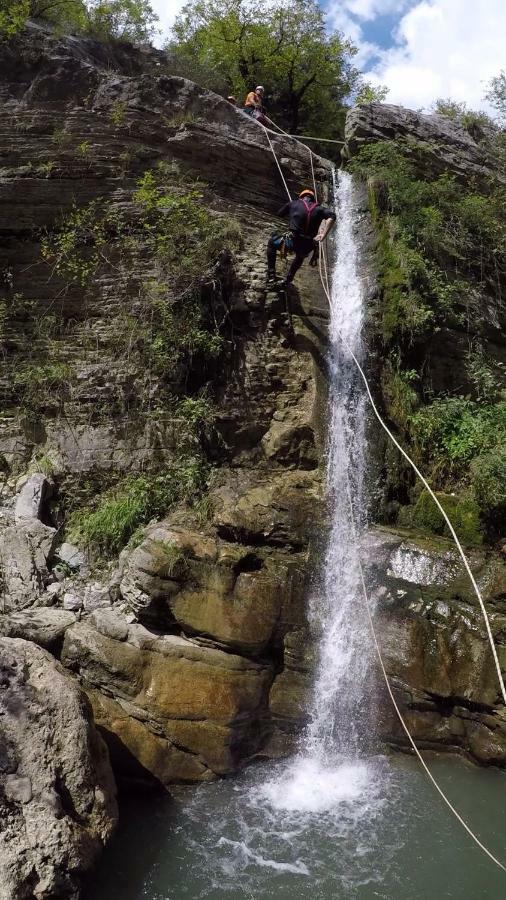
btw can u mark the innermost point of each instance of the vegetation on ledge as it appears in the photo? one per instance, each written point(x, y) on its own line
point(440, 251)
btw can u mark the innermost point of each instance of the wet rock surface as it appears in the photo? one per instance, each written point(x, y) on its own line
point(434, 643)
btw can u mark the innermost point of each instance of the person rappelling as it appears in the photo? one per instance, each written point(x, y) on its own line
point(254, 105)
point(305, 218)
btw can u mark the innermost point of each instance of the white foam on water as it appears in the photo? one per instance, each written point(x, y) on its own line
point(328, 788)
point(241, 848)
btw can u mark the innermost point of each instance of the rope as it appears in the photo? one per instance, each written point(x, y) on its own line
point(302, 137)
point(276, 158)
point(323, 270)
point(396, 707)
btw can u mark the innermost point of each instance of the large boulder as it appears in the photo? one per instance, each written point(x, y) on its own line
point(232, 593)
point(447, 144)
point(57, 793)
point(25, 551)
point(184, 711)
point(44, 626)
point(32, 497)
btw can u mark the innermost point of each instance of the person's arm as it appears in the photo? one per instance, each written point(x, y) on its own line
point(281, 213)
point(329, 220)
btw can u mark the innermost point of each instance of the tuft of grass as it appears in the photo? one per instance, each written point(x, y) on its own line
point(119, 514)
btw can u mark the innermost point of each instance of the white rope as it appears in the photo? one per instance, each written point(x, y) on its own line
point(323, 270)
point(276, 158)
point(421, 477)
point(396, 707)
point(301, 137)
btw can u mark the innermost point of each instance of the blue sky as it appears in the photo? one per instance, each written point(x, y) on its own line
point(419, 49)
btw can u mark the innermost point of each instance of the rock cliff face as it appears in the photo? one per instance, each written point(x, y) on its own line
point(192, 651)
point(433, 633)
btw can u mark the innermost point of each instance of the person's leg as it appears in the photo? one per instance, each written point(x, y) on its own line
point(302, 247)
point(294, 267)
point(271, 258)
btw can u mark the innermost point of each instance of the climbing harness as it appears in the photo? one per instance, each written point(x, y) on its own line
point(324, 277)
point(283, 243)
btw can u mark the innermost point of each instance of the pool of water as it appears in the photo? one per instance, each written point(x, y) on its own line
point(372, 828)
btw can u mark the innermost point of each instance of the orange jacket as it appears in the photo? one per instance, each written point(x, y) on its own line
point(253, 99)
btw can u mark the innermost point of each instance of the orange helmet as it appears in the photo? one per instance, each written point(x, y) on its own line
point(306, 192)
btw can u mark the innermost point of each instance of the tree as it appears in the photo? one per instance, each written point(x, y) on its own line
point(496, 95)
point(122, 20)
point(13, 15)
point(283, 44)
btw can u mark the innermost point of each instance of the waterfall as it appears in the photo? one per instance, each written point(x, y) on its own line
point(331, 767)
point(340, 710)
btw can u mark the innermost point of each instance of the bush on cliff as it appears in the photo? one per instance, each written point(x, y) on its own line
point(440, 244)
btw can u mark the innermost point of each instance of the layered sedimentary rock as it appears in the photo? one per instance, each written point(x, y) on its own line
point(434, 642)
point(181, 649)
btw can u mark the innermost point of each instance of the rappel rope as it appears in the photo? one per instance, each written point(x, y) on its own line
point(367, 605)
point(323, 271)
point(398, 445)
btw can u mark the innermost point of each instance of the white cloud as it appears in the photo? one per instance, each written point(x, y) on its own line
point(166, 10)
point(444, 48)
point(371, 9)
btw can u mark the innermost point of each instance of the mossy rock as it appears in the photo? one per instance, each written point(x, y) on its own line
point(463, 512)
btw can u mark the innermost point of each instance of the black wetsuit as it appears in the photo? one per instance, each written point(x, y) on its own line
point(304, 220)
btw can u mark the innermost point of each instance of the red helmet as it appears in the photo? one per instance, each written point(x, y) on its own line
point(307, 192)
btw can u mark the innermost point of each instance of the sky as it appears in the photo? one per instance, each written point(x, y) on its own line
point(420, 49)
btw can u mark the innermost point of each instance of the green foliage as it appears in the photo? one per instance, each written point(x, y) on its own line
point(119, 513)
point(462, 511)
point(122, 20)
point(83, 149)
point(452, 431)
point(35, 383)
point(485, 377)
point(458, 111)
point(489, 479)
point(402, 399)
point(496, 95)
point(182, 233)
point(368, 93)
point(173, 556)
point(287, 45)
point(107, 20)
point(117, 113)
point(13, 16)
point(452, 109)
point(433, 236)
point(75, 250)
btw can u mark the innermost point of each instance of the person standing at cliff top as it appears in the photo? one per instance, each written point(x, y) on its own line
point(254, 104)
point(305, 218)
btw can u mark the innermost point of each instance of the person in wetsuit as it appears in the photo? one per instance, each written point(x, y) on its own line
point(305, 216)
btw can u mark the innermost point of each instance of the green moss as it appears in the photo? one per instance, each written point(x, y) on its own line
point(463, 512)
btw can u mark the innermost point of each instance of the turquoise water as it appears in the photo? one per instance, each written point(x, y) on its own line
point(372, 829)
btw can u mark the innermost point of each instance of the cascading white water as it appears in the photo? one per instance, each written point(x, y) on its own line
point(340, 713)
point(329, 769)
